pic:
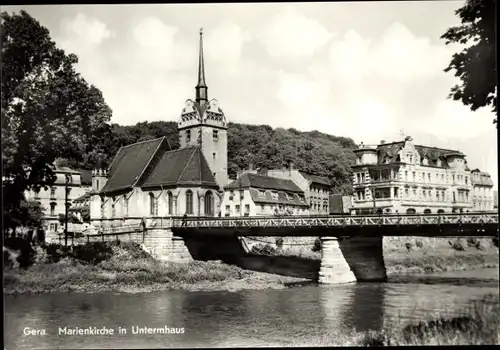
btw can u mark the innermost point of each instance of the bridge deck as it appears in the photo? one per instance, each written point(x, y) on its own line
point(450, 225)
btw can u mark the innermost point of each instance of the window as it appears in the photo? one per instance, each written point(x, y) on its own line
point(52, 209)
point(189, 202)
point(97, 184)
point(170, 199)
point(414, 177)
point(214, 155)
point(429, 177)
point(262, 207)
point(406, 176)
point(209, 204)
point(274, 195)
point(125, 206)
point(466, 180)
point(153, 205)
point(411, 159)
point(262, 193)
point(188, 135)
point(228, 209)
point(113, 209)
point(247, 209)
point(52, 192)
point(215, 135)
point(414, 193)
point(231, 195)
point(237, 208)
point(442, 178)
point(102, 207)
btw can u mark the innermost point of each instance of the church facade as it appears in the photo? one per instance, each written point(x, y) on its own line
point(148, 179)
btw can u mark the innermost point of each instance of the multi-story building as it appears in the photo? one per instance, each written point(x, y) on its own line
point(317, 189)
point(401, 177)
point(147, 179)
point(254, 194)
point(53, 199)
point(482, 191)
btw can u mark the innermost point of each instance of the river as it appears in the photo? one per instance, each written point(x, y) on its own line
point(242, 318)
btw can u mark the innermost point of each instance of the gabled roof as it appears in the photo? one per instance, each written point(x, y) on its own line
point(82, 198)
point(434, 153)
point(264, 182)
point(129, 164)
point(390, 152)
point(185, 166)
point(295, 198)
point(322, 180)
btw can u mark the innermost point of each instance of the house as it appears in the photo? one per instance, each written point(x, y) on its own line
point(401, 177)
point(148, 179)
point(260, 195)
point(54, 198)
point(482, 191)
point(317, 189)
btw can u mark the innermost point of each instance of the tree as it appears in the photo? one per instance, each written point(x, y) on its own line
point(27, 214)
point(475, 65)
point(48, 110)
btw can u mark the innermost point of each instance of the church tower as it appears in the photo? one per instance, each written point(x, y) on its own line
point(203, 124)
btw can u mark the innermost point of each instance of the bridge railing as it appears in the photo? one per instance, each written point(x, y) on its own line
point(337, 221)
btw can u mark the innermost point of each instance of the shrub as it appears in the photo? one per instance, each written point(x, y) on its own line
point(23, 246)
point(495, 241)
point(408, 246)
point(263, 249)
point(93, 253)
point(472, 241)
point(458, 245)
point(419, 243)
point(279, 242)
point(317, 245)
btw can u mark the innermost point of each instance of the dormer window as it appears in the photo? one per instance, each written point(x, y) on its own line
point(274, 195)
point(262, 193)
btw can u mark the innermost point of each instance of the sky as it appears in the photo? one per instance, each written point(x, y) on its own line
point(371, 71)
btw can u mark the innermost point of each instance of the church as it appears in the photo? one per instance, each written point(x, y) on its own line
point(149, 179)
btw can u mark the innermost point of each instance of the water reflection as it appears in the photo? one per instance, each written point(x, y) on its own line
point(244, 318)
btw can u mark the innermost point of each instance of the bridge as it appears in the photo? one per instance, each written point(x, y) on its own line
point(439, 225)
point(352, 248)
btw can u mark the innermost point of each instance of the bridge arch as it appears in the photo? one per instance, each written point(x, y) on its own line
point(427, 211)
point(411, 211)
point(440, 211)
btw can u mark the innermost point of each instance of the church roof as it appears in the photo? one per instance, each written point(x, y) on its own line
point(186, 166)
point(264, 182)
point(129, 163)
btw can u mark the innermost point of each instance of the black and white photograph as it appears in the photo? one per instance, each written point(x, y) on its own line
point(221, 175)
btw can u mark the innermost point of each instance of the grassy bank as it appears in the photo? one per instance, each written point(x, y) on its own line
point(476, 325)
point(124, 267)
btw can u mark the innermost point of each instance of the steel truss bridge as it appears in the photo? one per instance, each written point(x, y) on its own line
point(437, 225)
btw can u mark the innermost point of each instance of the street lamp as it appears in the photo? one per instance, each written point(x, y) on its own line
point(66, 211)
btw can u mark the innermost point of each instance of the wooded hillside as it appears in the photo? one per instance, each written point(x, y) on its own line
point(261, 145)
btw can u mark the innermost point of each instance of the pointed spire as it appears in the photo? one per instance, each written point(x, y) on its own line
point(201, 87)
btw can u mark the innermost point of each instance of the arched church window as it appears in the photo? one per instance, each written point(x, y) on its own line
point(209, 204)
point(189, 202)
point(170, 198)
point(153, 205)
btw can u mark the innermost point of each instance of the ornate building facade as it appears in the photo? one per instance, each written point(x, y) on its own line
point(482, 191)
point(401, 177)
point(147, 179)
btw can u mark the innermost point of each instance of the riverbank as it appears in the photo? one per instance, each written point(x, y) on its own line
point(126, 268)
point(479, 324)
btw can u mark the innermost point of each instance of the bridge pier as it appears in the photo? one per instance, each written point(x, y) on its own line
point(334, 267)
point(351, 259)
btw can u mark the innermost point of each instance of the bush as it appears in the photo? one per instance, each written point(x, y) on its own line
point(23, 246)
point(457, 245)
point(317, 245)
point(419, 243)
point(408, 246)
point(495, 241)
point(472, 242)
point(263, 249)
point(279, 242)
point(93, 253)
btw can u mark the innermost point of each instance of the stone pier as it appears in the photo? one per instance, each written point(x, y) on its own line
point(334, 267)
point(352, 259)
